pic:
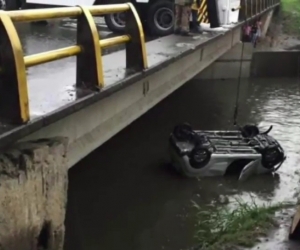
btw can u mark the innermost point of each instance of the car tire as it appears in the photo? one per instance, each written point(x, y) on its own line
point(270, 162)
point(250, 131)
point(199, 157)
point(157, 9)
point(182, 132)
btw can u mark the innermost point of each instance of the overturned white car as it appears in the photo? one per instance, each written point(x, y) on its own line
point(245, 151)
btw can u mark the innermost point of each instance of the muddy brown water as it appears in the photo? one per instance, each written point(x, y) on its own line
point(125, 196)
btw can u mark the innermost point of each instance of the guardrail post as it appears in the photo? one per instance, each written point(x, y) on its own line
point(242, 12)
point(136, 56)
point(256, 7)
point(14, 107)
point(260, 6)
point(89, 70)
point(248, 8)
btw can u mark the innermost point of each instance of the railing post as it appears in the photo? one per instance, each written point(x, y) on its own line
point(89, 70)
point(256, 7)
point(260, 6)
point(136, 55)
point(14, 107)
point(242, 13)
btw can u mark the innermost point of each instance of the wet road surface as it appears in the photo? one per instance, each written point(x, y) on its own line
point(52, 85)
point(125, 196)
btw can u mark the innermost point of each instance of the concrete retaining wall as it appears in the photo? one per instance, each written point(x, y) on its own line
point(276, 64)
point(33, 195)
point(228, 65)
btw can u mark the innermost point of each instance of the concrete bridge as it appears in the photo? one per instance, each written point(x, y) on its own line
point(43, 132)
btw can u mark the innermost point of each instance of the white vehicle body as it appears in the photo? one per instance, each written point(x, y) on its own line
point(70, 2)
point(216, 153)
point(226, 15)
point(62, 3)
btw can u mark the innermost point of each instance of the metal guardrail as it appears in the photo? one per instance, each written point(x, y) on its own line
point(250, 8)
point(14, 101)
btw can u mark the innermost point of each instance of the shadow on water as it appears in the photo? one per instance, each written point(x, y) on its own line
point(125, 196)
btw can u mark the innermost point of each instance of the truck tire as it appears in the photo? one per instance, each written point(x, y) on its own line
point(161, 17)
point(115, 22)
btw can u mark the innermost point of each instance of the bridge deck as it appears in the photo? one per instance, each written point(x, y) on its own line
point(52, 92)
point(53, 87)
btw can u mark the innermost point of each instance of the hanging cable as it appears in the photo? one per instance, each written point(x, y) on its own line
point(236, 109)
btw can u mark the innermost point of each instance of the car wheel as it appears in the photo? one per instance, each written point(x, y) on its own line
point(161, 18)
point(199, 157)
point(183, 131)
point(271, 157)
point(250, 131)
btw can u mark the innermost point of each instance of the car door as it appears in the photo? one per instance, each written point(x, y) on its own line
point(249, 170)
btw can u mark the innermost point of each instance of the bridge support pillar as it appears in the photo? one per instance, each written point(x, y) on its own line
point(266, 20)
point(33, 195)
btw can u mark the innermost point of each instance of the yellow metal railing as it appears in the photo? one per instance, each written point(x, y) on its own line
point(14, 102)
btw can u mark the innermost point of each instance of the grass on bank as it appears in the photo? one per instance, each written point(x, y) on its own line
point(291, 16)
point(223, 228)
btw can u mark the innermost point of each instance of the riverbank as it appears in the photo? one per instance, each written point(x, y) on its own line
point(238, 224)
point(291, 16)
point(284, 31)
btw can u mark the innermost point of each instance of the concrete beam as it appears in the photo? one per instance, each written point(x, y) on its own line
point(90, 127)
point(33, 195)
point(228, 65)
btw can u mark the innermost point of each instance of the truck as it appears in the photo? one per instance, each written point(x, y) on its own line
point(157, 16)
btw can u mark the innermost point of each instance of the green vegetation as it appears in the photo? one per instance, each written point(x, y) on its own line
point(291, 16)
point(225, 228)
